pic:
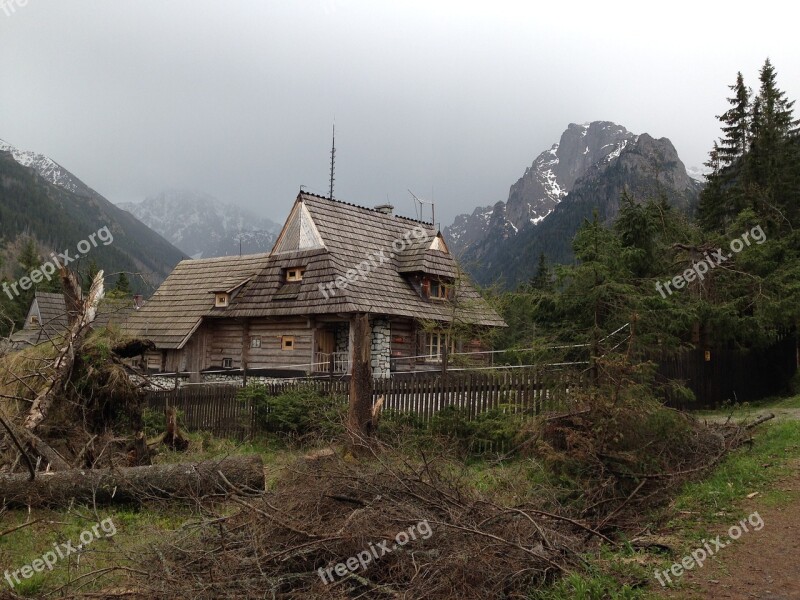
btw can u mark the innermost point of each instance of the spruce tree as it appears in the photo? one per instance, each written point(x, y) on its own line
point(543, 277)
point(736, 124)
point(123, 286)
point(773, 156)
point(725, 196)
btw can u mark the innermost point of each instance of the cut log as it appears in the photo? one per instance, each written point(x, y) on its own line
point(183, 482)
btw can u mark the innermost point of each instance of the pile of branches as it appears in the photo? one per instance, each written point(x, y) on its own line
point(625, 451)
point(328, 509)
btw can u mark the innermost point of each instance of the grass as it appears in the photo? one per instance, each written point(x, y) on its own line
point(135, 528)
point(718, 497)
point(129, 529)
point(747, 410)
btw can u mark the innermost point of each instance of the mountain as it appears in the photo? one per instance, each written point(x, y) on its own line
point(49, 169)
point(203, 226)
point(586, 172)
point(39, 197)
point(543, 185)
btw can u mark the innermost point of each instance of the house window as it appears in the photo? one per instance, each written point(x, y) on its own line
point(34, 320)
point(295, 274)
point(221, 300)
point(255, 342)
point(154, 362)
point(435, 345)
point(287, 342)
point(439, 290)
point(227, 363)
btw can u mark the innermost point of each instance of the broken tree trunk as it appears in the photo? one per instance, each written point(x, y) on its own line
point(177, 482)
point(39, 448)
point(359, 416)
point(78, 325)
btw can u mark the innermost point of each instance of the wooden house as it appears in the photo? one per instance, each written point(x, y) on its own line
point(289, 312)
point(47, 318)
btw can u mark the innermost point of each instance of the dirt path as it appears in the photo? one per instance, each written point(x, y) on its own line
point(760, 564)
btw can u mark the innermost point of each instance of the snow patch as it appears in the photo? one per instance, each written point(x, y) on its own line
point(46, 167)
point(537, 220)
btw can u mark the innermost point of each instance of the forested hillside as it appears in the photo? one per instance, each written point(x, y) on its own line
point(38, 217)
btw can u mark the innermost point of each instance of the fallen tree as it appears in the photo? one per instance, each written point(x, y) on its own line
point(79, 321)
point(175, 482)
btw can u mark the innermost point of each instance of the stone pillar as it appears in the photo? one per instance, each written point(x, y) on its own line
point(381, 351)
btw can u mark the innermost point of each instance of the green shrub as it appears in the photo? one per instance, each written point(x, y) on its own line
point(298, 412)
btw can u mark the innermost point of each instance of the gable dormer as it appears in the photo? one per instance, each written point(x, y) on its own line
point(299, 232)
point(223, 298)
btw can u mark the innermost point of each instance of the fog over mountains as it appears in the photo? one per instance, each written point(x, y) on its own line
point(204, 226)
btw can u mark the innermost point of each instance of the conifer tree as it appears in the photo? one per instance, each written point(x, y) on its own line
point(773, 157)
point(123, 286)
point(724, 196)
point(543, 277)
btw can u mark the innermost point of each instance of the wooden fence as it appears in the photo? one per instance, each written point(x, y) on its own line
point(216, 408)
point(730, 374)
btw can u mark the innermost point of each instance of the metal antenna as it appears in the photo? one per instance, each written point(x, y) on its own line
point(421, 202)
point(333, 160)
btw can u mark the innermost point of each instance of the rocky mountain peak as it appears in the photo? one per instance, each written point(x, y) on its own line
point(543, 185)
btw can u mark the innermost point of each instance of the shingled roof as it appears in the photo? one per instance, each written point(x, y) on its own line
point(328, 238)
point(186, 296)
point(51, 310)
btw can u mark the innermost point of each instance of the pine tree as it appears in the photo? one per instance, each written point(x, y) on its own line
point(543, 278)
point(772, 160)
point(123, 286)
point(28, 258)
point(736, 124)
point(724, 196)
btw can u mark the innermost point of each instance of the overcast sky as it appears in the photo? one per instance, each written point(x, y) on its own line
point(451, 99)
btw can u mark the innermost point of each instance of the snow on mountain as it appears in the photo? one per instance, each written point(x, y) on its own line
point(47, 168)
point(543, 185)
point(203, 226)
point(698, 173)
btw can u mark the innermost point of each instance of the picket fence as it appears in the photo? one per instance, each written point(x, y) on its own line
point(216, 408)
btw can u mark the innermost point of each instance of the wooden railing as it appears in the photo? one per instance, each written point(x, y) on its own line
point(322, 362)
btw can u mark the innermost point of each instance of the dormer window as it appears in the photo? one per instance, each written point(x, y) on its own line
point(295, 274)
point(221, 299)
point(439, 290)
